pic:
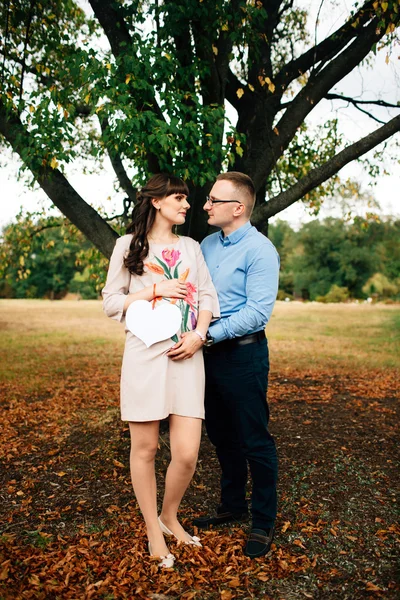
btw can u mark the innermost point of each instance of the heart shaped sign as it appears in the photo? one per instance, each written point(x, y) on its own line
point(150, 325)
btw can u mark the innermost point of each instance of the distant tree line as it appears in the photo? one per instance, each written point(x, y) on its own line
point(48, 257)
point(334, 260)
point(330, 261)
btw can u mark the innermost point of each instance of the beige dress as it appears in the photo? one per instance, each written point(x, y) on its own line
point(152, 385)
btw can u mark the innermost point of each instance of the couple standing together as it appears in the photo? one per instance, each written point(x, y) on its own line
point(225, 289)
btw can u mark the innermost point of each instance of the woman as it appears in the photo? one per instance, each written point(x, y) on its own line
point(167, 379)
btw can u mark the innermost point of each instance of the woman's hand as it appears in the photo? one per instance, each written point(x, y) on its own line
point(171, 288)
point(187, 346)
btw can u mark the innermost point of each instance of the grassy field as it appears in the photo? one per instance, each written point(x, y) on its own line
point(70, 527)
point(301, 335)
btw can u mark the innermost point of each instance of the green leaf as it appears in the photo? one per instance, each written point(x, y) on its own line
point(165, 267)
point(176, 273)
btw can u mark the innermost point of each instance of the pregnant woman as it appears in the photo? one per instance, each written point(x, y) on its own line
point(167, 379)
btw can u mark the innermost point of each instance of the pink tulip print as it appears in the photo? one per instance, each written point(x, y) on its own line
point(170, 256)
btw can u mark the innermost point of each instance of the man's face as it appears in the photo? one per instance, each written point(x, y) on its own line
point(222, 214)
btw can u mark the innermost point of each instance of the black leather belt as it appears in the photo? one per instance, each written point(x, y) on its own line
point(251, 338)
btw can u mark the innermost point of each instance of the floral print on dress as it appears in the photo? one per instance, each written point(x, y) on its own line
point(169, 267)
point(170, 256)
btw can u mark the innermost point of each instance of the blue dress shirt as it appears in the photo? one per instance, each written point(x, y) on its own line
point(244, 267)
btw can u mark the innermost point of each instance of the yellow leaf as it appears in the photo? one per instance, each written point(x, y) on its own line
point(215, 50)
point(271, 87)
point(61, 473)
point(118, 464)
point(384, 6)
point(371, 587)
point(54, 163)
point(225, 27)
point(99, 108)
point(251, 87)
point(87, 98)
point(286, 526)
point(167, 56)
point(184, 275)
point(375, 5)
point(21, 261)
point(387, 59)
point(20, 493)
point(261, 80)
point(239, 93)
point(128, 78)
point(108, 66)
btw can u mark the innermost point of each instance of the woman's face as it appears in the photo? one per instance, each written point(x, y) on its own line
point(172, 208)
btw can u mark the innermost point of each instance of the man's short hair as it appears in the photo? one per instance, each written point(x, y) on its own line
point(243, 183)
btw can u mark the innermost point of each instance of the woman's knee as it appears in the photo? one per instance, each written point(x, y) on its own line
point(144, 452)
point(186, 460)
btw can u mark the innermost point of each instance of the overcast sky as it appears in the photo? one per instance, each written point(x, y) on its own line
point(380, 80)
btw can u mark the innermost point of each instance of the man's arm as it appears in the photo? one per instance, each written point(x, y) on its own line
point(261, 290)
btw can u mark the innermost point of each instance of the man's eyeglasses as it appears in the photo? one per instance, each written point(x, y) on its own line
point(212, 201)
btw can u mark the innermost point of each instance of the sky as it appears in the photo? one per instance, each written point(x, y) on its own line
point(378, 80)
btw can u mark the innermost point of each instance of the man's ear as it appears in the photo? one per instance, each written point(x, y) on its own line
point(239, 210)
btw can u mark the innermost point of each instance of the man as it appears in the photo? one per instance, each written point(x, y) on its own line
point(244, 267)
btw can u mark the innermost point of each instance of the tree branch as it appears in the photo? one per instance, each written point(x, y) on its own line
point(327, 49)
point(354, 101)
point(316, 89)
point(58, 189)
point(119, 37)
point(118, 166)
point(317, 176)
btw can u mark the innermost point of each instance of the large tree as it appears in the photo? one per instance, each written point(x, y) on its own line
point(148, 84)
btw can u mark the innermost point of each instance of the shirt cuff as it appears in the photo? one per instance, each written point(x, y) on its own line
point(217, 331)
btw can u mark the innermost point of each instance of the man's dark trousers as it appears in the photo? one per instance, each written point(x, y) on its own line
point(237, 417)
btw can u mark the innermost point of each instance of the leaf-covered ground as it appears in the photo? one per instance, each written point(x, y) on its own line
point(70, 527)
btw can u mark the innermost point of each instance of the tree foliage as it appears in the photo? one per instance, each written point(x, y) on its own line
point(148, 84)
point(46, 257)
point(324, 259)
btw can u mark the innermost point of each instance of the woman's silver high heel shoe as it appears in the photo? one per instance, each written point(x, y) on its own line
point(194, 540)
point(167, 562)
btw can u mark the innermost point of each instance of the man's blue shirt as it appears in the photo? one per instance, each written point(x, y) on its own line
point(244, 267)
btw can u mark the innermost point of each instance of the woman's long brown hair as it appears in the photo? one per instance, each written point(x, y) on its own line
point(143, 216)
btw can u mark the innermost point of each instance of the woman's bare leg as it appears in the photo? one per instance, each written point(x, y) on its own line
point(185, 435)
point(144, 442)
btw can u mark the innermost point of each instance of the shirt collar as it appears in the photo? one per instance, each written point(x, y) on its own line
point(235, 236)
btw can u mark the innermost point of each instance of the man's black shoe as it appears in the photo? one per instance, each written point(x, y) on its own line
point(259, 542)
point(220, 518)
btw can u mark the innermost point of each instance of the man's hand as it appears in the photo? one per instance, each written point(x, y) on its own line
point(187, 346)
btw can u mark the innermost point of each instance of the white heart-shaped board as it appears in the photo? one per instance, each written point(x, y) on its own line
point(152, 325)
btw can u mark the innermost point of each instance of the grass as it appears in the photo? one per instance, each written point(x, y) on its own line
point(340, 336)
point(303, 335)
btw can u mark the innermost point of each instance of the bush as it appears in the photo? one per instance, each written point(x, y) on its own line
point(379, 286)
point(282, 295)
point(335, 294)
